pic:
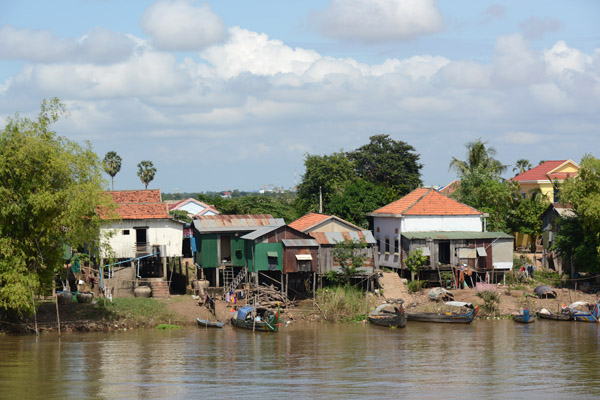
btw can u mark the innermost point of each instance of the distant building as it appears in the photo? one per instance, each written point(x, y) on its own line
point(547, 177)
point(194, 207)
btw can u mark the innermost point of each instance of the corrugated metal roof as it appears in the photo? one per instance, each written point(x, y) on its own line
point(456, 235)
point(259, 232)
point(229, 223)
point(331, 238)
point(300, 243)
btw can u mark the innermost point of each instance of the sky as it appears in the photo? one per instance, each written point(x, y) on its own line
point(233, 94)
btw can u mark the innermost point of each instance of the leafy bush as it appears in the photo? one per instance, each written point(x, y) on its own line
point(415, 286)
point(341, 304)
point(491, 301)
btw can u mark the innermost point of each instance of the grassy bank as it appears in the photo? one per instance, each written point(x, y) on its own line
point(342, 304)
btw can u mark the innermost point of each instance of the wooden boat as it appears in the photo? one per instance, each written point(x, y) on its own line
point(585, 312)
point(524, 317)
point(256, 319)
point(546, 314)
point(389, 314)
point(209, 324)
point(448, 317)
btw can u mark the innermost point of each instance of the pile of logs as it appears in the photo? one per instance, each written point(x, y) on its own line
point(266, 296)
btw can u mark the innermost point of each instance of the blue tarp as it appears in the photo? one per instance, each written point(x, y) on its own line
point(242, 312)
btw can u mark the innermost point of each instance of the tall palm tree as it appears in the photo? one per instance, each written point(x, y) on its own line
point(522, 165)
point(479, 157)
point(112, 165)
point(146, 172)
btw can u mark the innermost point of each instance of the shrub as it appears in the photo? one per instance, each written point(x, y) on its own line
point(415, 286)
point(491, 300)
point(341, 304)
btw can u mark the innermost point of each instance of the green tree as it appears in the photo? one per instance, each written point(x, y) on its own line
point(180, 215)
point(582, 233)
point(278, 207)
point(415, 261)
point(526, 217)
point(479, 158)
point(390, 163)
point(356, 200)
point(350, 256)
point(112, 165)
point(146, 172)
point(328, 175)
point(522, 165)
point(50, 191)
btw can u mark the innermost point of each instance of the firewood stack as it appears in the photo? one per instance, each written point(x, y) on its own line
point(267, 296)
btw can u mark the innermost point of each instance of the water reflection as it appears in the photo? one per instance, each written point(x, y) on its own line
point(488, 359)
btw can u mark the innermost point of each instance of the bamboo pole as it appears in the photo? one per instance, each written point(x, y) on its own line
point(57, 314)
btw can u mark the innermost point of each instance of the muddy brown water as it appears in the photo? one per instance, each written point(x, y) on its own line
point(484, 360)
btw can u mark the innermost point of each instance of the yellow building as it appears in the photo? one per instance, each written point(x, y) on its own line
point(546, 177)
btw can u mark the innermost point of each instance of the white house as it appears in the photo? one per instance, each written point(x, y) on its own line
point(450, 233)
point(144, 227)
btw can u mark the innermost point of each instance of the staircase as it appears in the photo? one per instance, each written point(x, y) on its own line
point(392, 286)
point(232, 285)
point(160, 289)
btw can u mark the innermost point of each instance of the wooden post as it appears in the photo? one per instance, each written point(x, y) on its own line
point(314, 285)
point(287, 284)
point(57, 315)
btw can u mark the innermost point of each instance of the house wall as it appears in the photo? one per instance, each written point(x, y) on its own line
point(160, 232)
point(443, 223)
point(502, 251)
point(386, 227)
point(290, 263)
point(327, 262)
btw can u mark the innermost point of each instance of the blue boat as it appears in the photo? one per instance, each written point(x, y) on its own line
point(256, 319)
point(585, 312)
point(524, 317)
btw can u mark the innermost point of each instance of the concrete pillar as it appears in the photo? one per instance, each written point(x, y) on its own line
point(164, 267)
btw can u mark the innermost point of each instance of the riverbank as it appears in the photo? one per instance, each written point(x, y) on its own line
point(135, 313)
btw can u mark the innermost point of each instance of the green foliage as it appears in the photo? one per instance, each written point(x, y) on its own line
point(329, 173)
point(415, 286)
point(479, 158)
point(526, 217)
point(579, 236)
point(356, 200)
point(522, 165)
point(350, 256)
point(139, 310)
point(278, 207)
point(491, 301)
point(483, 190)
point(415, 260)
point(164, 327)
point(50, 191)
point(181, 215)
point(341, 304)
point(112, 165)
point(146, 172)
point(389, 163)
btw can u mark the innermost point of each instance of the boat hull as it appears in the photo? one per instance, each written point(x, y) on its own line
point(209, 324)
point(254, 326)
point(555, 317)
point(443, 318)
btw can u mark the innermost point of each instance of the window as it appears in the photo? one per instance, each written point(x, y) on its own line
point(396, 247)
point(387, 245)
point(378, 240)
point(125, 231)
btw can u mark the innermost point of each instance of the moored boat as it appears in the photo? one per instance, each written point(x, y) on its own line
point(585, 312)
point(256, 319)
point(524, 317)
point(389, 314)
point(547, 314)
point(209, 324)
point(447, 317)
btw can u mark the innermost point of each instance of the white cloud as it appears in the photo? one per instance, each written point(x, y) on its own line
point(561, 58)
point(515, 63)
point(98, 46)
point(417, 67)
point(378, 20)
point(466, 74)
point(180, 25)
point(255, 53)
point(535, 28)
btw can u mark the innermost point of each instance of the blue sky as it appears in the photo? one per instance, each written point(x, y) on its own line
point(233, 94)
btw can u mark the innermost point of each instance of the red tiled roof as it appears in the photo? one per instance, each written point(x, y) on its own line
point(542, 172)
point(143, 211)
point(136, 196)
point(307, 221)
point(425, 201)
point(139, 204)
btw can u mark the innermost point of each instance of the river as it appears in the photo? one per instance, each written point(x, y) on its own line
point(484, 360)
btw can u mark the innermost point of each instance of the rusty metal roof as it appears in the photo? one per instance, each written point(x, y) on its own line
point(332, 238)
point(232, 223)
point(300, 243)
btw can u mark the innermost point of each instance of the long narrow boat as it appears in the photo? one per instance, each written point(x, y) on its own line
point(389, 314)
point(524, 317)
point(209, 324)
point(545, 314)
point(590, 312)
point(256, 319)
point(448, 317)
